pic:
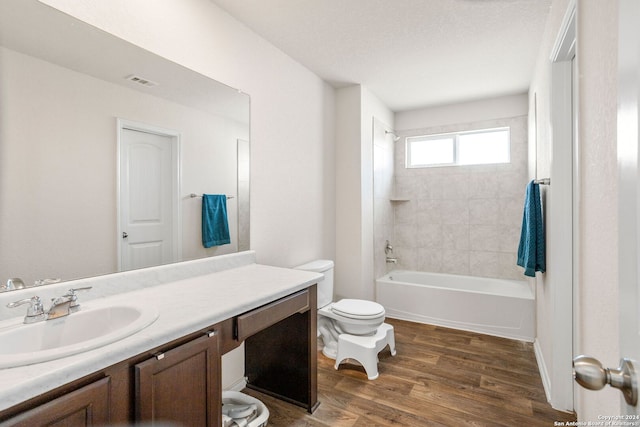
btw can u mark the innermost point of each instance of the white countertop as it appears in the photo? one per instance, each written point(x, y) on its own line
point(185, 306)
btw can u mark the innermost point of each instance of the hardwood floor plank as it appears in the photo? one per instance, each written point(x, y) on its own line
point(506, 373)
point(392, 387)
point(492, 401)
point(506, 388)
point(486, 357)
point(440, 377)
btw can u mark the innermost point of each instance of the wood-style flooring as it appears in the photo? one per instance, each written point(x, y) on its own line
point(439, 377)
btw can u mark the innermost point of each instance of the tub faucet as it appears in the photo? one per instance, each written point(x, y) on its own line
point(388, 250)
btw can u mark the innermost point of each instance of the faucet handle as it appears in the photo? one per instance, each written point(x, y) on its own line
point(35, 312)
point(71, 294)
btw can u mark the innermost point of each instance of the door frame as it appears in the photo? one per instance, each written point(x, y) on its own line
point(628, 151)
point(563, 193)
point(176, 148)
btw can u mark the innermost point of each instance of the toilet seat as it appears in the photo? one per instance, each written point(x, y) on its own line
point(358, 309)
point(356, 317)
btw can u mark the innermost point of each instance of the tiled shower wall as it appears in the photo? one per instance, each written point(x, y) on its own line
point(462, 219)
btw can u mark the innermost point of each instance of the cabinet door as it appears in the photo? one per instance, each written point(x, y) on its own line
point(87, 406)
point(181, 386)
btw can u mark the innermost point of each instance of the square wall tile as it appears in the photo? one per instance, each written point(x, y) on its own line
point(483, 211)
point(455, 262)
point(484, 238)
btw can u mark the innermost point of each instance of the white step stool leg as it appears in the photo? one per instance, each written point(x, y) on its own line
point(391, 339)
point(365, 349)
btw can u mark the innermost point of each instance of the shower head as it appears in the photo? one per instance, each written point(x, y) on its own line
point(395, 137)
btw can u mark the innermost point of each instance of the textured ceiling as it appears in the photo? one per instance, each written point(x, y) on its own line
point(409, 53)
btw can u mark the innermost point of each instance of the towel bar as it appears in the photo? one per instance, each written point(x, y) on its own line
point(200, 195)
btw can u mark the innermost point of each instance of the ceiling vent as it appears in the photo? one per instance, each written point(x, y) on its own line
point(141, 81)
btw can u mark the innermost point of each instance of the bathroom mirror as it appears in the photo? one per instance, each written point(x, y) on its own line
point(65, 88)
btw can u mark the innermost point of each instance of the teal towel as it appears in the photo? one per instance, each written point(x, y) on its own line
point(531, 250)
point(215, 225)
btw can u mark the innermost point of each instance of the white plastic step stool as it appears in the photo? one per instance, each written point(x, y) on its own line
point(365, 349)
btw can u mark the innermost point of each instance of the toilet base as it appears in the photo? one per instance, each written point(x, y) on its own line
point(365, 349)
point(330, 350)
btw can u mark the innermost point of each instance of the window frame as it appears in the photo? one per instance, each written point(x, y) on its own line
point(456, 147)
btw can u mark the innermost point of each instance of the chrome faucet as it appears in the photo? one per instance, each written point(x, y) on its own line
point(12, 284)
point(60, 306)
point(16, 283)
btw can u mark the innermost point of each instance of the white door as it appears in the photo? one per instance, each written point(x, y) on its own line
point(589, 372)
point(148, 203)
point(629, 191)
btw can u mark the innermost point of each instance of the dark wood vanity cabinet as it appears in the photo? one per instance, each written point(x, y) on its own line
point(281, 349)
point(86, 406)
point(179, 383)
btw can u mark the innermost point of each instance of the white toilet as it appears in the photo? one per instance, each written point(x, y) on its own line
point(359, 324)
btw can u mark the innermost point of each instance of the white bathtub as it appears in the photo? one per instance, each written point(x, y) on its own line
point(504, 308)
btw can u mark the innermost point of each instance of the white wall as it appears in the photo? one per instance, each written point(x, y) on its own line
point(596, 291)
point(540, 155)
point(463, 112)
point(292, 119)
point(349, 231)
point(372, 110)
point(356, 109)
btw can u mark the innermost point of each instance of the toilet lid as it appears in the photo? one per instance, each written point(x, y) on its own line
point(358, 309)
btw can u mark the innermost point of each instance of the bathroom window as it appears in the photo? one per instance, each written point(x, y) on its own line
point(477, 147)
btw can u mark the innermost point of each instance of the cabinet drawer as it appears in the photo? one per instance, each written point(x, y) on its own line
point(255, 320)
point(87, 406)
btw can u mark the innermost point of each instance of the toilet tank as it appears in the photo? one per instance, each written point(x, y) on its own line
point(325, 286)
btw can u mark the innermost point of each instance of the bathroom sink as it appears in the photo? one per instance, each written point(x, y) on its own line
point(89, 328)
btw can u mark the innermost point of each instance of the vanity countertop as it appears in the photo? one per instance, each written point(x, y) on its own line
point(185, 306)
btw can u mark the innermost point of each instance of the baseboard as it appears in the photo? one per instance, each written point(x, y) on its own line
point(542, 368)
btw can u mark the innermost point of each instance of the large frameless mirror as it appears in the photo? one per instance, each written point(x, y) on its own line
point(72, 98)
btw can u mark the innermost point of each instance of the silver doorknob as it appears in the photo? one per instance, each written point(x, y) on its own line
point(125, 234)
point(590, 374)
